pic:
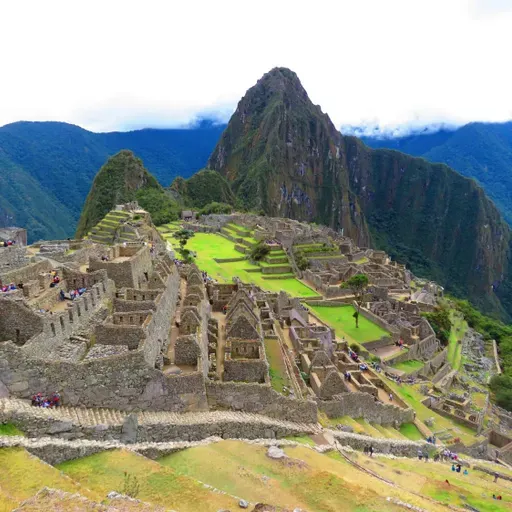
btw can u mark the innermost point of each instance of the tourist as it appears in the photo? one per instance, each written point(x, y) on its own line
point(371, 450)
point(420, 454)
point(390, 397)
point(466, 472)
point(453, 467)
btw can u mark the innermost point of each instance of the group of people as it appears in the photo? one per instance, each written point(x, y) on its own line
point(458, 468)
point(73, 294)
point(10, 287)
point(55, 278)
point(348, 377)
point(52, 400)
point(449, 455)
point(8, 243)
point(431, 439)
point(368, 450)
point(353, 355)
point(400, 343)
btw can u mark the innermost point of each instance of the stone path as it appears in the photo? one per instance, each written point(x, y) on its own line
point(91, 417)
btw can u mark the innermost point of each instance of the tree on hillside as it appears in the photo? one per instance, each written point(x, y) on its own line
point(358, 285)
point(183, 236)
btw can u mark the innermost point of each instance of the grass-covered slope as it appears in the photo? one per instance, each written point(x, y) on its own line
point(203, 188)
point(122, 179)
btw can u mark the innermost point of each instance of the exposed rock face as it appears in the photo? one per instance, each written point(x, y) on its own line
point(282, 154)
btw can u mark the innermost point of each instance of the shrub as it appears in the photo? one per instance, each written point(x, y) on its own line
point(355, 347)
point(131, 486)
point(216, 208)
point(259, 251)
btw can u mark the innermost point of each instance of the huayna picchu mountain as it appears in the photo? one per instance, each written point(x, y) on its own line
point(122, 179)
point(282, 154)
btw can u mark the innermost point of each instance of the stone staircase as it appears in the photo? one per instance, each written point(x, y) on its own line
point(86, 417)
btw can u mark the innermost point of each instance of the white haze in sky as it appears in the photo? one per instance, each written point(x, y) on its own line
point(118, 65)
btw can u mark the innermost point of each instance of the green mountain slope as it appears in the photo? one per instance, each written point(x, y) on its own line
point(482, 151)
point(281, 153)
point(122, 179)
point(54, 164)
point(203, 188)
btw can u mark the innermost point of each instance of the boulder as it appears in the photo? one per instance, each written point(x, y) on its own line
point(274, 452)
point(129, 429)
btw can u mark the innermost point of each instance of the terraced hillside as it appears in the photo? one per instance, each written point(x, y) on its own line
point(226, 255)
point(113, 228)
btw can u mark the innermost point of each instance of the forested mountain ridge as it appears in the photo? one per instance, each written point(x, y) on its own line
point(282, 154)
point(482, 151)
point(46, 169)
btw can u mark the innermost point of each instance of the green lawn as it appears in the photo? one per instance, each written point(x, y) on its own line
point(105, 472)
point(8, 429)
point(209, 246)
point(410, 430)
point(277, 368)
point(457, 332)
point(341, 319)
point(409, 366)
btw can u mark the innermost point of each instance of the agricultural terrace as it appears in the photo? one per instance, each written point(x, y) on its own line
point(210, 247)
point(409, 366)
point(341, 318)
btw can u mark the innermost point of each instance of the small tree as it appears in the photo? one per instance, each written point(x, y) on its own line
point(358, 284)
point(259, 251)
point(183, 236)
point(131, 486)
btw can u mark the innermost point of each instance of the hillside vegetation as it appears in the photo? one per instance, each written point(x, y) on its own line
point(482, 151)
point(123, 179)
point(46, 169)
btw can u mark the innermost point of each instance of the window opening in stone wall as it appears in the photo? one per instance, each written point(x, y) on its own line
point(70, 316)
point(53, 328)
point(78, 310)
point(146, 275)
point(61, 322)
point(17, 336)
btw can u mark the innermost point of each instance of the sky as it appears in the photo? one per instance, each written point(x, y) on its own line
point(390, 65)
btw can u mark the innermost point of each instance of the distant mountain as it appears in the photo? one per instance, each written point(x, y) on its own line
point(46, 169)
point(482, 151)
point(283, 155)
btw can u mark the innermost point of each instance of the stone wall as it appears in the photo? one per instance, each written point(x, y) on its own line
point(364, 405)
point(18, 322)
point(259, 399)
point(25, 273)
point(126, 273)
point(124, 382)
point(245, 370)
point(12, 257)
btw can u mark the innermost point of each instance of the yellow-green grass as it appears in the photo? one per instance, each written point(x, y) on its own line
point(104, 472)
point(8, 429)
point(413, 398)
point(459, 327)
point(302, 440)
point(22, 475)
point(342, 320)
point(277, 367)
point(409, 366)
point(429, 479)
point(306, 479)
point(208, 246)
point(410, 430)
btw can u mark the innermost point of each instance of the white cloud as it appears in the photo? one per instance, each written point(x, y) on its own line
point(122, 64)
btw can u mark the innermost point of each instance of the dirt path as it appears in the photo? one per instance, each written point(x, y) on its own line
point(221, 342)
point(175, 329)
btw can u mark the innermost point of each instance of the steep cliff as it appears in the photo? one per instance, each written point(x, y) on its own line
point(438, 222)
point(282, 154)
